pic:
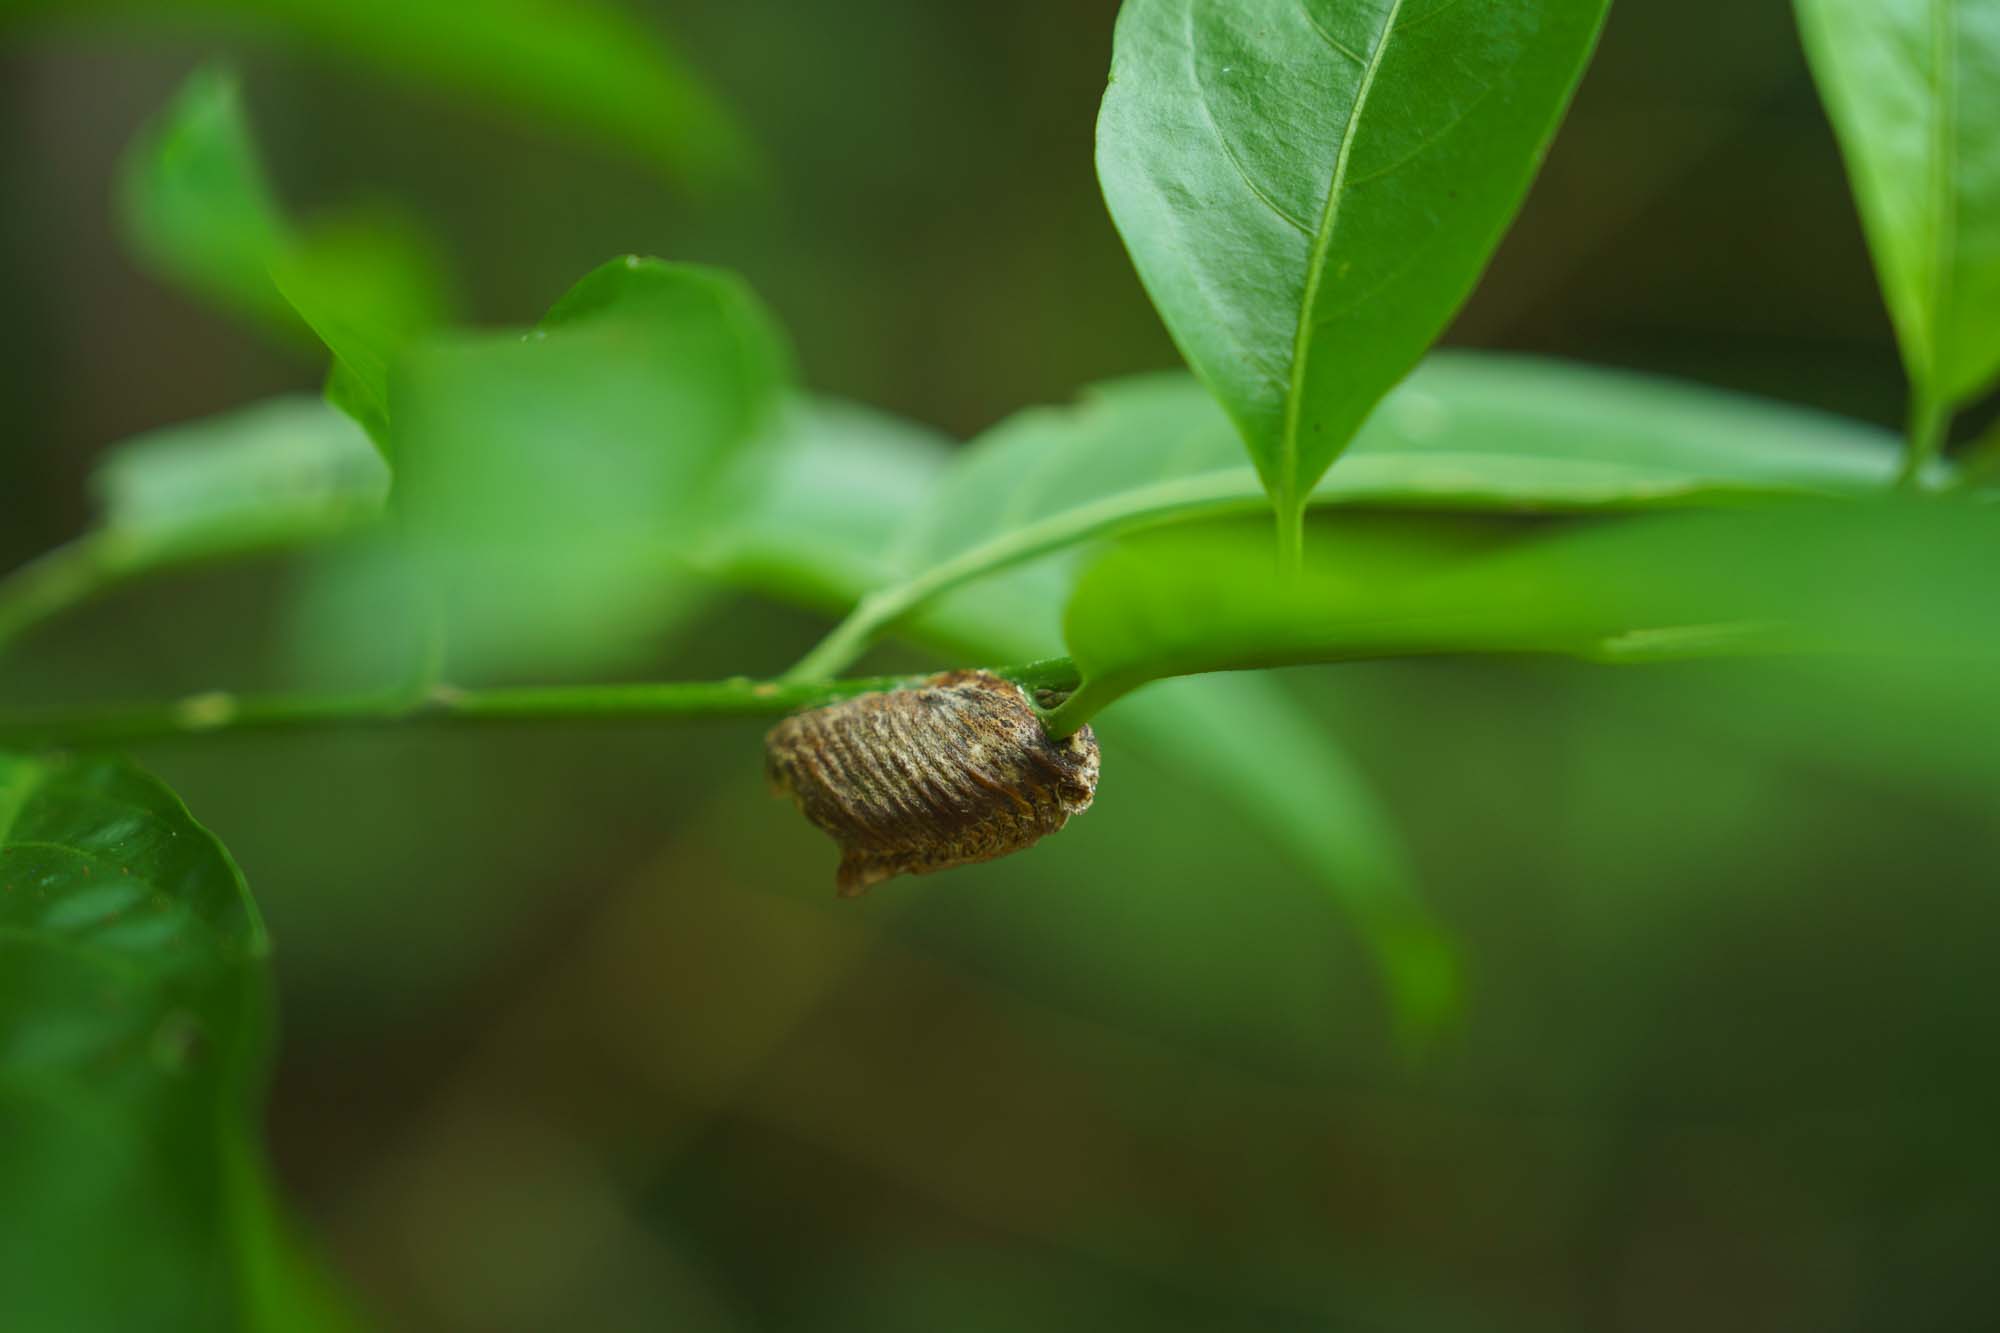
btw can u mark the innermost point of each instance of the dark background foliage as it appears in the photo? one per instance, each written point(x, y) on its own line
point(575, 1033)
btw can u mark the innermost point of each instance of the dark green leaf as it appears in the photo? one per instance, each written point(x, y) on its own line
point(1806, 577)
point(583, 66)
point(555, 481)
point(134, 1024)
point(1913, 89)
point(1310, 189)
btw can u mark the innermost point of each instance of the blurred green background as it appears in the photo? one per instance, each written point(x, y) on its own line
point(575, 1033)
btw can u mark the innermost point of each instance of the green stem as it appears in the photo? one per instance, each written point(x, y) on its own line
point(223, 713)
point(53, 583)
point(1930, 418)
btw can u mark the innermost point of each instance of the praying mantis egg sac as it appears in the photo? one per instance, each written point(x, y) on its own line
point(954, 770)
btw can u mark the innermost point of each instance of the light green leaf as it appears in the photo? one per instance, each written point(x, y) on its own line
point(271, 475)
point(1310, 189)
point(1804, 577)
point(812, 519)
point(554, 481)
point(1467, 431)
point(589, 68)
point(365, 284)
point(809, 513)
point(1913, 90)
point(196, 209)
point(134, 1031)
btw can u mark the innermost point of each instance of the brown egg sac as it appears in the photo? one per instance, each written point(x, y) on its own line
point(954, 770)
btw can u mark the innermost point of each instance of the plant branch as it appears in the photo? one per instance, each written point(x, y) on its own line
point(219, 713)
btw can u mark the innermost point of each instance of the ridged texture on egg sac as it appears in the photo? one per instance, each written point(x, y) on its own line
point(952, 771)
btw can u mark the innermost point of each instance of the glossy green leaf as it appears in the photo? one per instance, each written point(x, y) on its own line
point(197, 210)
point(1805, 577)
point(555, 481)
point(1311, 188)
point(590, 68)
point(1913, 90)
point(275, 474)
point(813, 518)
point(134, 1026)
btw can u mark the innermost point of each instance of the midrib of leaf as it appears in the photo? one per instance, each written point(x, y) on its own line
point(1288, 462)
point(1944, 137)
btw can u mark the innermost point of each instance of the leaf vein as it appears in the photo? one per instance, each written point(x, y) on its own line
point(1420, 20)
point(1305, 8)
point(1228, 150)
point(1426, 142)
point(1288, 463)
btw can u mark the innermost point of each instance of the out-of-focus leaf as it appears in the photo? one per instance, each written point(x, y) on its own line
point(134, 1025)
point(1310, 189)
point(1247, 743)
point(271, 475)
point(589, 68)
point(365, 284)
point(1913, 90)
point(197, 209)
point(554, 482)
point(1807, 577)
point(814, 518)
point(1467, 430)
point(809, 513)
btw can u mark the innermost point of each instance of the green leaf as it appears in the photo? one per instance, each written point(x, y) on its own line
point(275, 474)
point(588, 68)
point(809, 514)
point(1913, 90)
point(813, 518)
point(554, 482)
point(134, 1027)
point(1310, 189)
point(365, 284)
point(1466, 431)
point(1867, 578)
point(197, 210)
point(1247, 743)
